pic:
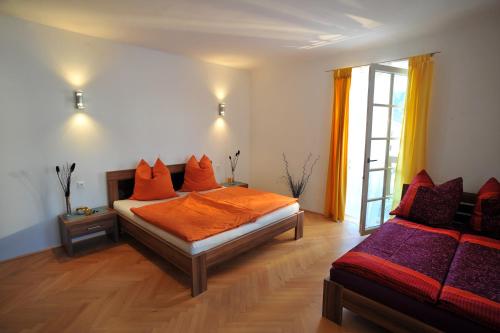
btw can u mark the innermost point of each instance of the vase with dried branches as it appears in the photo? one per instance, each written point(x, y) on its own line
point(297, 187)
point(64, 175)
point(234, 163)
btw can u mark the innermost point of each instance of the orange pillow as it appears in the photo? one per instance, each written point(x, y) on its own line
point(155, 185)
point(199, 176)
point(490, 190)
point(421, 179)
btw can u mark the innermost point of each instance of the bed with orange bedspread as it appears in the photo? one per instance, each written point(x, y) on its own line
point(180, 223)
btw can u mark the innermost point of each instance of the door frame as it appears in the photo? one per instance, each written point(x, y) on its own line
point(368, 138)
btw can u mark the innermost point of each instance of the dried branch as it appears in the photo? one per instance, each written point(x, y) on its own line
point(234, 160)
point(297, 187)
point(64, 176)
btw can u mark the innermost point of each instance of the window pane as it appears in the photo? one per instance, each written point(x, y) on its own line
point(377, 153)
point(393, 153)
point(373, 214)
point(391, 178)
point(382, 88)
point(380, 121)
point(387, 208)
point(396, 122)
point(375, 184)
point(399, 90)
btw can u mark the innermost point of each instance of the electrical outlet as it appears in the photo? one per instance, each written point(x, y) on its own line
point(80, 184)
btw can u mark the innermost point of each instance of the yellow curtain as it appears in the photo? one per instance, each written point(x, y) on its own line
point(337, 166)
point(413, 147)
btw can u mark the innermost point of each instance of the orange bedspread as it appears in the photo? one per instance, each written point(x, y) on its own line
point(198, 216)
point(258, 201)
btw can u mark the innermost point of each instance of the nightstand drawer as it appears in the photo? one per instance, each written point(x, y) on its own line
point(86, 228)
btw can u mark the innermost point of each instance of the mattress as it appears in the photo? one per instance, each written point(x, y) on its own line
point(123, 207)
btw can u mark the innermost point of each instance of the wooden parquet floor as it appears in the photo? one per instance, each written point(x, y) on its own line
point(125, 287)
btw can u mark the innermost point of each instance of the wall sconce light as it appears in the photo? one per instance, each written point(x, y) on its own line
point(222, 109)
point(79, 100)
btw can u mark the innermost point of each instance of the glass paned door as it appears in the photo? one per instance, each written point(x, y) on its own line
point(386, 97)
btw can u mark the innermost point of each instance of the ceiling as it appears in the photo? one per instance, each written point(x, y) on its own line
point(245, 33)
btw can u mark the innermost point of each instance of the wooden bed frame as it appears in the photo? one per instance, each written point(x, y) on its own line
point(120, 186)
point(336, 297)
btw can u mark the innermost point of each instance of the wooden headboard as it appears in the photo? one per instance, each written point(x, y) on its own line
point(464, 212)
point(120, 183)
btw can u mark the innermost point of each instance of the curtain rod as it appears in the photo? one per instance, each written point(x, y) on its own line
point(431, 54)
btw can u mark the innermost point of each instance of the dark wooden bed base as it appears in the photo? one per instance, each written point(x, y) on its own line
point(336, 297)
point(120, 186)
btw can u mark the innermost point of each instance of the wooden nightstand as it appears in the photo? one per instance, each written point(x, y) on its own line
point(240, 184)
point(72, 226)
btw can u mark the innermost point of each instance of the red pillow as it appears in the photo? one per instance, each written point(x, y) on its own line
point(490, 190)
point(199, 176)
point(490, 219)
point(404, 207)
point(437, 205)
point(155, 184)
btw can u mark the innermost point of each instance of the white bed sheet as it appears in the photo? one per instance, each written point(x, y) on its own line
point(123, 207)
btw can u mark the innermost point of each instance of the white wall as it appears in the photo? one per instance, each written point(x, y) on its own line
point(291, 107)
point(140, 103)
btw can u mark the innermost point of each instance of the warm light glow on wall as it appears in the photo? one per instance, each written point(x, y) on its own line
point(80, 120)
point(82, 132)
point(220, 124)
point(76, 79)
point(221, 94)
point(219, 132)
point(76, 76)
